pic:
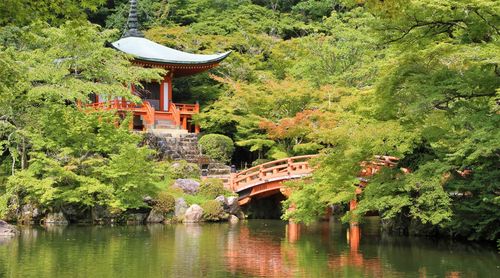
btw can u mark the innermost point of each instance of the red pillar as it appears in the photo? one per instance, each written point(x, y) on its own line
point(354, 236)
point(184, 123)
point(197, 110)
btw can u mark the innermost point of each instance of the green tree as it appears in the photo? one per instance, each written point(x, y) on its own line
point(434, 107)
point(24, 12)
point(60, 153)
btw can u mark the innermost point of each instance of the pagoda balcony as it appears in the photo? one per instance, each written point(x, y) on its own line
point(146, 117)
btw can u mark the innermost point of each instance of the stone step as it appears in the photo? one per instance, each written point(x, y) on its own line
point(175, 143)
point(219, 171)
point(173, 132)
point(222, 177)
point(164, 121)
point(163, 126)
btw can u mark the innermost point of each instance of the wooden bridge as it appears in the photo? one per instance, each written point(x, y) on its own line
point(267, 179)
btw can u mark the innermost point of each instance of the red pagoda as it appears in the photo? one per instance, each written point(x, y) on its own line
point(158, 111)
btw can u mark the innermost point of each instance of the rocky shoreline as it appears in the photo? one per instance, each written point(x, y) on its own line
point(187, 200)
point(30, 214)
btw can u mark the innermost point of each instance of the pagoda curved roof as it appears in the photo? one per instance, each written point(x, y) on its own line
point(146, 50)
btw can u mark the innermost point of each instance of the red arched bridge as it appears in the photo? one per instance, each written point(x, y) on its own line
point(267, 179)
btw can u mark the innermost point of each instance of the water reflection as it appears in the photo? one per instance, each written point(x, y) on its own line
point(265, 257)
point(257, 256)
point(320, 251)
point(253, 249)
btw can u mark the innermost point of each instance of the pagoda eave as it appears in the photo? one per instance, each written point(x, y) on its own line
point(178, 70)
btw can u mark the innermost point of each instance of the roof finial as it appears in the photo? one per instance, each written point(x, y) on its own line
point(132, 28)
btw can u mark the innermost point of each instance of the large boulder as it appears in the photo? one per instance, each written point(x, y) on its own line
point(193, 214)
point(233, 219)
point(55, 218)
point(223, 201)
point(180, 208)
point(7, 230)
point(187, 185)
point(233, 206)
point(155, 217)
point(29, 214)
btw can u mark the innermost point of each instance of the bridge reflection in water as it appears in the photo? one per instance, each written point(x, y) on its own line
point(267, 257)
point(318, 251)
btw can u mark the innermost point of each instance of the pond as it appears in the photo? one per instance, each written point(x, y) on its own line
point(257, 248)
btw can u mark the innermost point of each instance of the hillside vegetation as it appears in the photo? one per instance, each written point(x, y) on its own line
point(349, 79)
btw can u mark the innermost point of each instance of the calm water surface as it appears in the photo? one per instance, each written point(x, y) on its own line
point(257, 248)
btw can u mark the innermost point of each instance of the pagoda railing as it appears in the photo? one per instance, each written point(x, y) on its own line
point(180, 113)
point(124, 105)
point(114, 104)
point(187, 108)
point(176, 114)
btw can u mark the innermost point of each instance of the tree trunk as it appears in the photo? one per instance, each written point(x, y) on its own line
point(13, 170)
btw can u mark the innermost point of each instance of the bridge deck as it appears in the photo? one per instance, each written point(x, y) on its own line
point(269, 176)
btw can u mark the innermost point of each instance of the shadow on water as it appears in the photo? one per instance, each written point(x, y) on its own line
point(257, 248)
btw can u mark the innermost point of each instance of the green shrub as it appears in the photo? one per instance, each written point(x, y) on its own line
point(213, 211)
point(217, 146)
point(307, 148)
point(183, 170)
point(211, 188)
point(165, 203)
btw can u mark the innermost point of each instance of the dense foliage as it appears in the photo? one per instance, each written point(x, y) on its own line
point(350, 79)
point(54, 153)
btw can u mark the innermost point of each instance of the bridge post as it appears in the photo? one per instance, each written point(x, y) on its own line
point(289, 166)
point(354, 234)
point(232, 177)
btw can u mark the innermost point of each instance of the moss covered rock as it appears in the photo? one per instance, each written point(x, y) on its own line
point(213, 188)
point(213, 211)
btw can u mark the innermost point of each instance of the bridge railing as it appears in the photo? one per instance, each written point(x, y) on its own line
point(275, 170)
